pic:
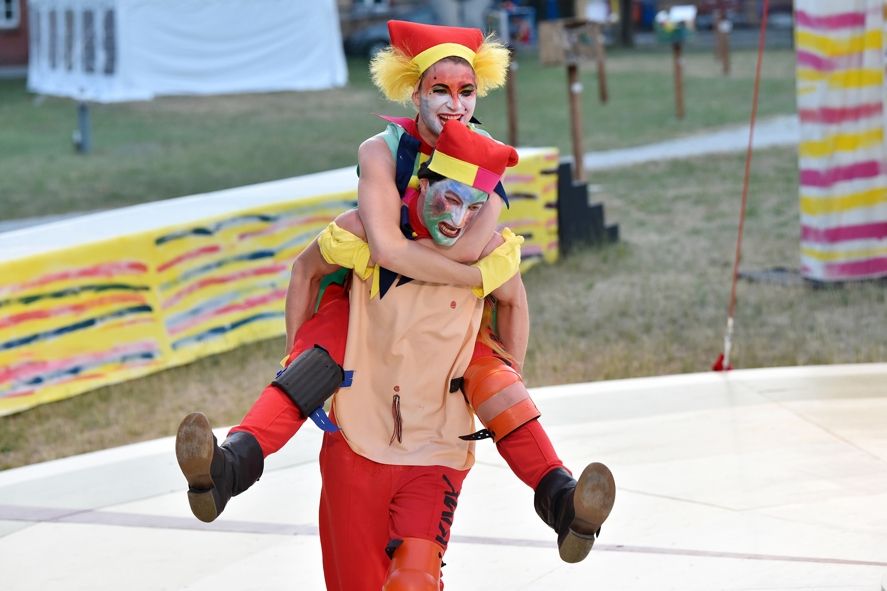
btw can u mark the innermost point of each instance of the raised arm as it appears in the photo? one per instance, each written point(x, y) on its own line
point(308, 270)
point(379, 206)
point(512, 311)
point(513, 317)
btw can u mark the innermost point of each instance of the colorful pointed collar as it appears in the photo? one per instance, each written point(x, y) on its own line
point(416, 225)
point(411, 126)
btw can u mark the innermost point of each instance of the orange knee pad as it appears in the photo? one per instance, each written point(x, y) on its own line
point(498, 396)
point(415, 566)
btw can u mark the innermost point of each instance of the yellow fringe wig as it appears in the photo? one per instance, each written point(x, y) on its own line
point(397, 76)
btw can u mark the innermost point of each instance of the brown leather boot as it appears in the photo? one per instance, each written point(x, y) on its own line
point(576, 510)
point(215, 473)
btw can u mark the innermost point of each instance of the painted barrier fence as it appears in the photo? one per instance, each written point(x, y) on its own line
point(103, 298)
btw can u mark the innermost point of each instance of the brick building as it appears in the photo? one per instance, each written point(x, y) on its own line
point(13, 33)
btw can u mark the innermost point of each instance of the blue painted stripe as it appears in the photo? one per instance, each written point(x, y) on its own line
point(218, 331)
point(300, 211)
point(72, 291)
point(81, 325)
point(210, 230)
point(63, 375)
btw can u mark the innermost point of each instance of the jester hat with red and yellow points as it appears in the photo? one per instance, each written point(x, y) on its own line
point(415, 47)
point(470, 158)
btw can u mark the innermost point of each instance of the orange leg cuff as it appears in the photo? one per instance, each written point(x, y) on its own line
point(415, 566)
point(498, 396)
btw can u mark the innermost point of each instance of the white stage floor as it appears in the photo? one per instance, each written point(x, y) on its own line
point(757, 479)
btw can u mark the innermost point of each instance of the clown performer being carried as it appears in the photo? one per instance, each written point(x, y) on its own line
point(393, 463)
point(216, 473)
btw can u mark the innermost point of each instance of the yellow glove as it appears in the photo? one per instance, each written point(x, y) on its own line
point(500, 265)
point(341, 247)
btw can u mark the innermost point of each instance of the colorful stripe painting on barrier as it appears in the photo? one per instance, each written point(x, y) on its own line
point(93, 313)
point(842, 95)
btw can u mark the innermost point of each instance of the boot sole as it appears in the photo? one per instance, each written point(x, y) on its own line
point(194, 452)
point(592, 500)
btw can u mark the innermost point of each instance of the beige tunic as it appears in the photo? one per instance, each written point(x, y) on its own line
point(404, 348)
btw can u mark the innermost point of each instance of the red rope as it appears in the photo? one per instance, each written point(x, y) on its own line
point(723, 362)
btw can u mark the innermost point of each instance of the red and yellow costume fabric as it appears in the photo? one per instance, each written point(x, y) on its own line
point(375, 488)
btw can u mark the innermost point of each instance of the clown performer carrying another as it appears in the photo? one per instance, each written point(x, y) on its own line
point(216, 473)
point(399, 446)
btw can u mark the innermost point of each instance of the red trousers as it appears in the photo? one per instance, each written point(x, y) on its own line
point(364, 504)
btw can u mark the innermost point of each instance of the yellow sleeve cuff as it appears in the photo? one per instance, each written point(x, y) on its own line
point(500, 265)
point(341, 247)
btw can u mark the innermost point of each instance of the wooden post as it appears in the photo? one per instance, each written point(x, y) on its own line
point(724, 34)
point(600, 56)
point(574, 89)
point(511, 98)
point(626, 18)
point(723, 42)
point(678, 79)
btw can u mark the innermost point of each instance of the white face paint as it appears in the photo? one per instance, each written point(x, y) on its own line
point(447, 92)
point(448, 209)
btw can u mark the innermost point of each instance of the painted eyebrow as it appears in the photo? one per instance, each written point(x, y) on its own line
point(465, 201)
point(447, 86)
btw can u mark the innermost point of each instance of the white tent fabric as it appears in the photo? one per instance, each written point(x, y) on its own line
point(125, 50)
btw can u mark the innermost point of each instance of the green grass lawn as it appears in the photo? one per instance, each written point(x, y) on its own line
point(177, 146)
point(655, 303)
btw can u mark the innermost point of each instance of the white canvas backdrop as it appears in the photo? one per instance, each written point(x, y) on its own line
point(124, 50)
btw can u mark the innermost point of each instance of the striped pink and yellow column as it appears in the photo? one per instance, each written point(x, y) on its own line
point(843, 152)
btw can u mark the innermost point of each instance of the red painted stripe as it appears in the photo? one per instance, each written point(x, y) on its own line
point(842, 115)
point(824, 64)
point(812, 60)
point(516, 179)
point(877, 231)
point(20, 394)
point(31, 315)
point(104, 270)
point(191, 254)
point(876, 267)
point(842, 20)
point(29, 369)
point(826, 178)
point(220, 280)
point(249, 303)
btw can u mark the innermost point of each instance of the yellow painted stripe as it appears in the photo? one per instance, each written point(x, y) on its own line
point(852, 78)
point(830, 47)
point(807, 89)
point(434, 54)
point(825, 256)
point(836, 204)
point(841, 142)
point(452, 168)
